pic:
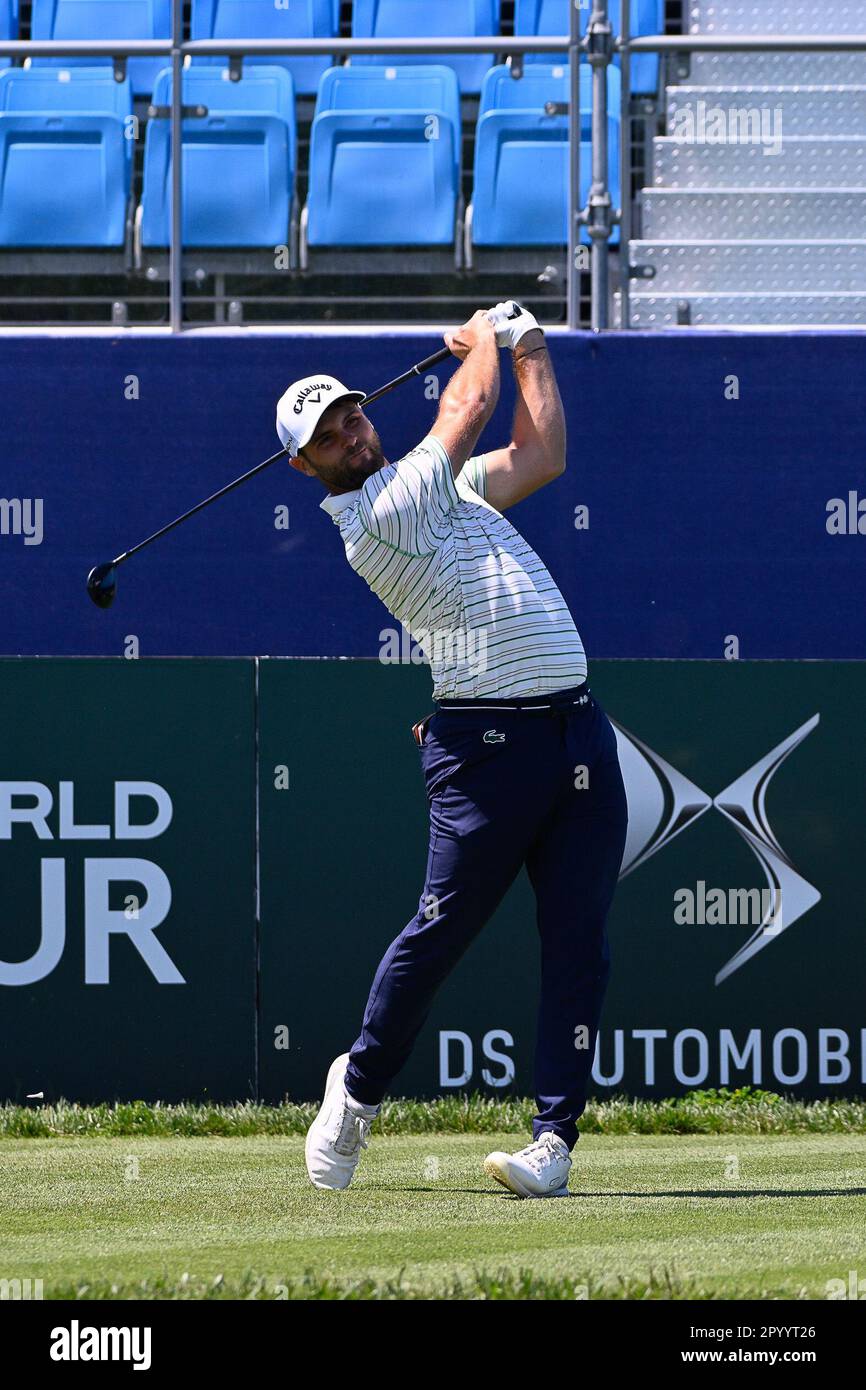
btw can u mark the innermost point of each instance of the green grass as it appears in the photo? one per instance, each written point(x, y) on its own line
point(743, 1111)
point(651, 1216)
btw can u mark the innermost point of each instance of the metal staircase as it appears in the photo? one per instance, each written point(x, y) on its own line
point(757, 209)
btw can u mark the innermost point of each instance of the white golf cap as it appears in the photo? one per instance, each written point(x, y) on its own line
point(300, 409)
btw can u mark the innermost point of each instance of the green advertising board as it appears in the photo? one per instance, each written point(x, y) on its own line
point(739, 775)
point(127, 842)
point(203, 862)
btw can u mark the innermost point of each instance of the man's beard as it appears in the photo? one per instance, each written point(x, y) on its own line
point(353, 472)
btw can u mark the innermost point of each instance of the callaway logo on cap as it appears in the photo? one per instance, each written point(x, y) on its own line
point(302, 406)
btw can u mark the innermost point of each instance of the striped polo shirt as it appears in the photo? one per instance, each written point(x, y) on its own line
point(475, 597)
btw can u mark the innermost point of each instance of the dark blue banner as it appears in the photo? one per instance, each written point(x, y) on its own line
point(713, 491)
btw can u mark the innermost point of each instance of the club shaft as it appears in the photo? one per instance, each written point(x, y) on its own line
point(420, 367)
point(424, 366)
point(206, 503)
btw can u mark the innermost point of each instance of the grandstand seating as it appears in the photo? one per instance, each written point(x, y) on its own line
point(520, 193)
point(64, 179)
point(262, 90)
point(377, 179)
point(386, 166)
point(238, 163)
point(91, 90)
point(77, 191)
point(426, 89)
point(502, 90)
point(263, 19)
point(447, 18)
point(519, 147)
point(552, 17)
point(104, 19)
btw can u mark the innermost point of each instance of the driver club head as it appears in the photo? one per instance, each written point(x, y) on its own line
point(102, 585)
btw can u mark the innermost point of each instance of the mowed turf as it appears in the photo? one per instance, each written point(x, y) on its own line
point(727, 1216)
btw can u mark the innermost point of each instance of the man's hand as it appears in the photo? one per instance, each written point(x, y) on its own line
point(479, 329)
point(512, 323)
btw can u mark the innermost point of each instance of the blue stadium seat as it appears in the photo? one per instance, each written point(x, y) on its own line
point(551, 17)
point(539, 84)
point(394, 89)
point(104, 19)
point(261, 91)
point(8, 25)
point(92, 91)
point(429, 19)
point(237, 182)
point(262, 19)
point(378, 180)
point(502, 91)
point(63, 180)
point(520, 195)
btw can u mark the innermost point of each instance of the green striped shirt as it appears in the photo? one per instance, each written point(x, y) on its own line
point(462, 581)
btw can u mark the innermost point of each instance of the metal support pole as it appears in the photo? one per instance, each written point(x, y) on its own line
point(599, 47)
point(175, 264)
point(574, 209)
point(625, 168)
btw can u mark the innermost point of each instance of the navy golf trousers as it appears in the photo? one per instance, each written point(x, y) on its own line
point(534, 782)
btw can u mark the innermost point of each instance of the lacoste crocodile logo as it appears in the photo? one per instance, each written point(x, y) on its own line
point(491, 736)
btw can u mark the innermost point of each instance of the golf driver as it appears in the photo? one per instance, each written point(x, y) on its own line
point(102, 579)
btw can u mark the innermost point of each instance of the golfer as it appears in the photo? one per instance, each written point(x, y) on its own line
point(520, 761)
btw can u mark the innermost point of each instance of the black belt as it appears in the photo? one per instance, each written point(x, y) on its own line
point(558, 704)
point(557, 699)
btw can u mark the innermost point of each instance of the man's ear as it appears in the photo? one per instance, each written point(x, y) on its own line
point(303, 465)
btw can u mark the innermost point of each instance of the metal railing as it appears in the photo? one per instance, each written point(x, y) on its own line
point(175, 51)
point(600, 46)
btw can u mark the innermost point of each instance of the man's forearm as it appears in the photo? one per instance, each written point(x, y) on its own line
point(469, 400)
point(539, 419)
point(474, 387)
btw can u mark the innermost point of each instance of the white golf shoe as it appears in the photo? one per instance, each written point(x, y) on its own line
point(338, 1133)
point(539, 1170)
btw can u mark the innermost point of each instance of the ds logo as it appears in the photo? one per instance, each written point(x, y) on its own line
point(456, 1057)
